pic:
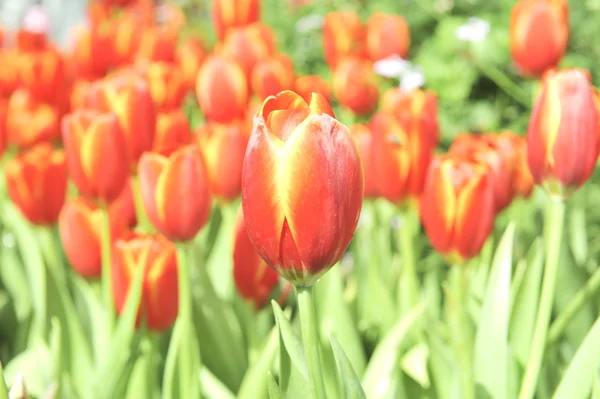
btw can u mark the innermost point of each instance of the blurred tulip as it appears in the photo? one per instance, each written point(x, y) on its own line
point(355, 85)
point(227, 14)
point(272, 75)
point(249, 45)
point(42, 73)
point(222, 90)
point(563, 139)
point(522, 181)
point(128, 32)
point(302, 187)
point(344, 35)
point(79, 94)
point(539, 34)
point(223, 147)
point(172, 132)
point(167, 85)
point(33, 35)
point(94, 51)
point(9, 73)
point(96, 153)
point(3, 115)
point(158, 44)
point(189, 55)
point(457, 207)
point(363, 137)
point(306, 85)
point(36, 181)
point(387, 35)
point(158, 256)
point(29, 121)
point(175, 192)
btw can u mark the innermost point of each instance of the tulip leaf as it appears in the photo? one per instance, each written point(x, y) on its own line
point(292, 344)
point(274, 391)
point(581, 372)
point(578, 235)
point(414, 364)
point(170, 388)
point(36, 365)
point(219, 265)
point(348, 379)
point(491, 341)
point(212, 387)
point(3, 388)
point(443, 370)
point(255, 383)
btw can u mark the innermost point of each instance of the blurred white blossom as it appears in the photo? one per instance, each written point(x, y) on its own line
point(309, 23)
point(391, 67)
point(36, 20)
point(475, 30)
point(412, 79)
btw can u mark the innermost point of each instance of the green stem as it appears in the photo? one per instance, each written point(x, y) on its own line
point(106, 279)
point(3, 389)
point(554, 225)
point(573, 307)
point(504, 82)
point(310, 339)
point(408, 285)
point(51, 255)
point(142, 219)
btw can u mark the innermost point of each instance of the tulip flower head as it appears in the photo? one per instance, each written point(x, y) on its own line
point(249, 45)
point(189, 56)
point(30, 121)
point(272, 75)
point(306, 85)
point(387, 35)
point(227, 14)
point(172, 132)
point(355, 85)
point(302, 187)
point(344, 35)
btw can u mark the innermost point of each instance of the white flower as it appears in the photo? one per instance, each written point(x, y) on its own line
point(309, 23)
point(475, 30)
point(412, 79)
point(391, 67)
point(36, 20)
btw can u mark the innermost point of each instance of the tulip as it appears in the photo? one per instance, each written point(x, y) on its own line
point(94, 53)
point(272, 75)
point(222, 90)
point(158, 44)
point(539, 34)
point(80, 93)
point(96, 153)
point(172, 132)
point(306, 85)
point(128, 31)
point(3, 115)
point(562, 139)
point(36, 181)
point(223, 148)
point(29, 121)
point(522, 178)
point(158, 256)
point(175, 192)
point(167, 85)
point(227, 14)
point(355, 85)
point(363, 137)
point(42, 73)
point(189, 56)
point(300, 231)
point(343, 36)
point(9, 73)
point(33, 35)
point(387, 35)
point(249, 45)
point(457, 207)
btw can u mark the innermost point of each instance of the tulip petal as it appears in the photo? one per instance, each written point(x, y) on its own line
point(149, 169)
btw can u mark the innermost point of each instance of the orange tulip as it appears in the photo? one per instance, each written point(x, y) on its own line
point(302, 187)
point(96, 153)
point(3, 115)
point(344, 35)
point(387, 35)
point(227, 14)
point(522, 178)
point(272, 75)
point(175, 192)
point(363, 137)
point(306, 85)
point(539, 34)
point(158, 43)
point(355, 85)
point(158, 256)
point(29, 121)
point(42, 73)
point(79, 94)
point(9, 73)
point(94, 53)
point(457, 207)
point(189, 56)
point(128, 31)
point(249, 45)
point(222, 90)
point(167, 85)
point(563, 139)
point(172, 132)
point(36, 181)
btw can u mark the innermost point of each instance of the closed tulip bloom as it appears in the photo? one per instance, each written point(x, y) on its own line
point(158, 256)
point(457, 207)
point(222, 89)
point(272, 75)
point(539, 34)
point(42, 73)
point(166, 83)
point(96, 154)
point(172, 132)
point(36, 181)
point(189, 57)
point(387, 35)
point(128, 32)
point(93, 53)
point(306, 85)
point(223, 147)
point(302, 187)
point(158, 43)
point(175, 192)
point(249, 45)
point(355, 85)
point(344, 35)
point(363, 137)
point(30, 121)
point(562, 139)
point(522, 181)
point(227, 14)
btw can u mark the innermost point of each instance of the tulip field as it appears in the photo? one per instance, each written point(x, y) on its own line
point(301, 199)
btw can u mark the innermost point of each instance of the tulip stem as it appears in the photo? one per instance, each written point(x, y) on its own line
point(310, 339)
point(554, 225)
point(504, 83)
point(106, 279)
point(408, 285)
point(142, 219)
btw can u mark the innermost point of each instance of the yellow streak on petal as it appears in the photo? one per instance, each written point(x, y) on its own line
point(449, 195)
point(550, 122)
point(118, 105)
point(88, 149)
point(160, 195)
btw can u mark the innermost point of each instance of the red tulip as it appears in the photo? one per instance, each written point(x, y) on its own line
point(189, 56)
point(167, 85)
point(363, 137)
point(272, 75)
point(249, 45)
point(387, 35)
point(355, 85)
point(29, 121)
point(344, 35)
point(9, 73)
point(172, 132)
point(94, 53)
point(42, 73)
point(227, 14)
point(306, 85)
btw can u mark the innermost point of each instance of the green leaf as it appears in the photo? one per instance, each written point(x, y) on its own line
point(491, 341)
point(380, 370)
point(36, 365)
point(137, 385)
point(3, 389)
point(578, 235)
point(219, 265)
point(255, 383)
point(292, 344)
point(577, 380)
point(348, 379)
point(170, 389)
point(414, 364)
point(274, 391)
point(212, 387)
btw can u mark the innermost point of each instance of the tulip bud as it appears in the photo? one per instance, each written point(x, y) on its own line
point(249, 45)
point(158, 256)
point(355, 85)
point(222, 90)
point(457, 207)
point(172, 132)
point(387, 35)
point(189, 55)
point(228, 14)
point(42, 73)
point(36, 181)
point(175, 192)
point(272, 75)
point(363, 137)
point(29, 121)
point(302, 187)
point(562, 139)
point(167, 85)
point(539, 34)
point(344, 36)
point(96, 153)
point(305, 86)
